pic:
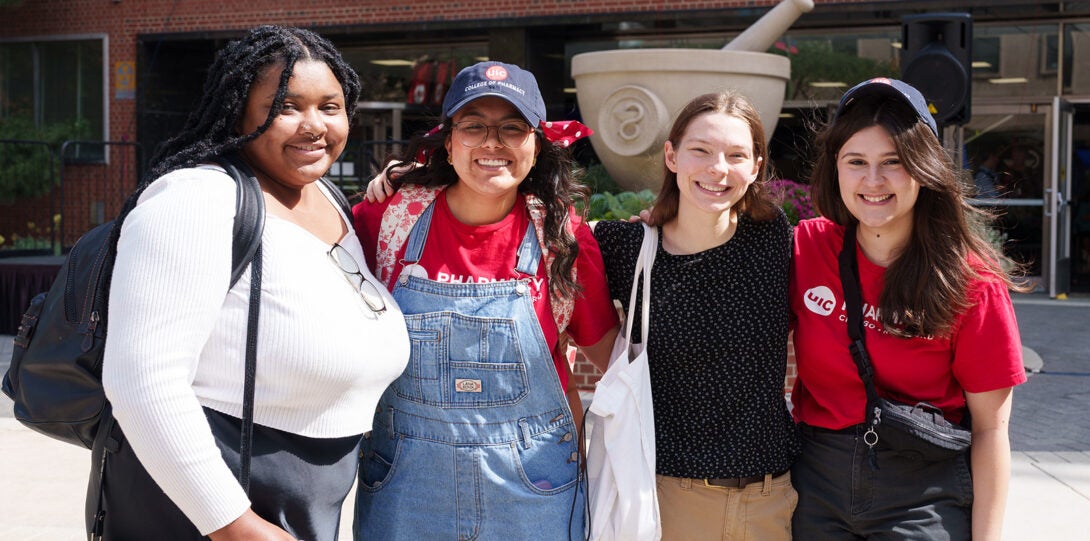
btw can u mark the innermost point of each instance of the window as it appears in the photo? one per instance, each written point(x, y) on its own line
point(1015, 61)
point(986, 56)
point(825, 64)
point(58, 86)
point(1076, 58)
point(412, 74)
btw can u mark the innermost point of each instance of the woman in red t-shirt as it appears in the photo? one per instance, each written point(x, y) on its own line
point(938, 325)
point(482, 251)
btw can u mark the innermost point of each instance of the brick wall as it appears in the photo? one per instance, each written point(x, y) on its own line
point(124, 20)
point(132, 17)
point(89, 195)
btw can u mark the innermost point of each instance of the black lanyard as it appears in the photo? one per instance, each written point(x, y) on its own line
point(853, 299)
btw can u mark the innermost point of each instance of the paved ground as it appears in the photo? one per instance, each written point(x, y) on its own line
point(1052, 410)
point(41, 496)
point(1050, 424)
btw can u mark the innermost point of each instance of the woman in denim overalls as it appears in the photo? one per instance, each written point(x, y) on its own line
point(476, 439)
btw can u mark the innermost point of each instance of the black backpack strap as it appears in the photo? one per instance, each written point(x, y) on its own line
point(245, 449)
point(246, 249)
point(338, 195)
point(94, 508)
point(249, 213)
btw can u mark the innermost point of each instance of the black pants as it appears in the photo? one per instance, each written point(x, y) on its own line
point(841, 497)
point(296, 482)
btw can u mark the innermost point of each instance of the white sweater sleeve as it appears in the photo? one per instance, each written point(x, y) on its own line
point(169, 283)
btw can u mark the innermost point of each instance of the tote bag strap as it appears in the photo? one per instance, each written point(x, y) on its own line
point(644, 262)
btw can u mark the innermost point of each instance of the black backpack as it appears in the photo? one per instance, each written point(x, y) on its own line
point(55, 376)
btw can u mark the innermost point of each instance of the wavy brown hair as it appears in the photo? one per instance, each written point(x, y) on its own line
point(926, 286)
point(756, 202)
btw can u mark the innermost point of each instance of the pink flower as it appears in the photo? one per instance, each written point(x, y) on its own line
point(794, 198)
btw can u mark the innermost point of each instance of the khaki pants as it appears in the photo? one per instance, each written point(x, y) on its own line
point(692, 511)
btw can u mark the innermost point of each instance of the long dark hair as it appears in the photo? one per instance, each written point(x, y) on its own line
point(552, 180)
point(926, 286)
point(756, 202)
point(211, 129)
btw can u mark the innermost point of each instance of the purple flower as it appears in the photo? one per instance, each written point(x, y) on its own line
point(793, 197)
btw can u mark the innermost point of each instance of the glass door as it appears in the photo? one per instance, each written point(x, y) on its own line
point(1005, 152)
point(1057, 199)
point(1080, 205)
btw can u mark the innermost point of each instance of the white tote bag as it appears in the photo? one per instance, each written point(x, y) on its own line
point(621, 455)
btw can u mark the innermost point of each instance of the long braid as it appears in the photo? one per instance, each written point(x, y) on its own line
point(211, 129)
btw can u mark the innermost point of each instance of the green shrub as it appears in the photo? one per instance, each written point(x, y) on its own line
point(598, 180)
point(619, 206)
point(37, 237)
point(25, 168)
point(608, 202)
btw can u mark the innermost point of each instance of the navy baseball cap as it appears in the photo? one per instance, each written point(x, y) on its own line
point(507, 81)
point(882, 86)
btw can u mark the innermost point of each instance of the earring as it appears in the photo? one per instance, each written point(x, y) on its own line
point(449, 160)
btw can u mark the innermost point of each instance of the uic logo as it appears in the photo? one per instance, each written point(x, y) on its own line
point(820, 300)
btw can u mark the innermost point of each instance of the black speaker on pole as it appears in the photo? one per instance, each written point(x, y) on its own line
point(936, 58)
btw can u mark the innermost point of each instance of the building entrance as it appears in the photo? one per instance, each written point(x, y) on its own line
point(1080, 199)
point(1031, 166)
point(1005, 147)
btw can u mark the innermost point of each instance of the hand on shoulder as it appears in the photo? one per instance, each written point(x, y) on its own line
point(379, 188)
point(644, 216)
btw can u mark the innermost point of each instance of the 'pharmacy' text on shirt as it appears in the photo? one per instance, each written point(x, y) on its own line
point(446, 277)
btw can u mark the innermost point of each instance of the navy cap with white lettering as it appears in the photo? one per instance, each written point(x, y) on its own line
point(882, 86)
point(507, 81)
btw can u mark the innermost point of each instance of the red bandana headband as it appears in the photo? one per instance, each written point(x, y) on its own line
point(565, 132)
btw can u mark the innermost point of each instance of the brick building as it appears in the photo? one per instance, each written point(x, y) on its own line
point(133, 68)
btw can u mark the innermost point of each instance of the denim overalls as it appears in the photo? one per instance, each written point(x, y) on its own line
point(475, 440)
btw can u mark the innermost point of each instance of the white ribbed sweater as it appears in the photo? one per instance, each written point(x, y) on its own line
point(177, 339)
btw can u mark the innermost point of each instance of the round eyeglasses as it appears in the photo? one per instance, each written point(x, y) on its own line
point(473, 134)
point(351, 271)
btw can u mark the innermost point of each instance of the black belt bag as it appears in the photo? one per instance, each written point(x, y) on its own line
point(920, 428)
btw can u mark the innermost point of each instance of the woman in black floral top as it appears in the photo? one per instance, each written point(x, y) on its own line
point(719, 322)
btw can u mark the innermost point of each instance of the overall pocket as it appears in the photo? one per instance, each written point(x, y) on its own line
point(461, 361)
point(548, 461)
point(378, 454)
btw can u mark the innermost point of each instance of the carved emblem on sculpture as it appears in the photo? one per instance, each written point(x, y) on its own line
point(629, 96)
point(631, 120)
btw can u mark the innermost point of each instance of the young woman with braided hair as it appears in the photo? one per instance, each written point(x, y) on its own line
point(279, 98)
point(213, 128)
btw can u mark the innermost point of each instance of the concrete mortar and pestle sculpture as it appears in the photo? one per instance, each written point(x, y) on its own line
point(629, 97)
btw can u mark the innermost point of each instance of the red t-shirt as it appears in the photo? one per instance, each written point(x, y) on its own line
point(983, 353)
point(460, 253)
